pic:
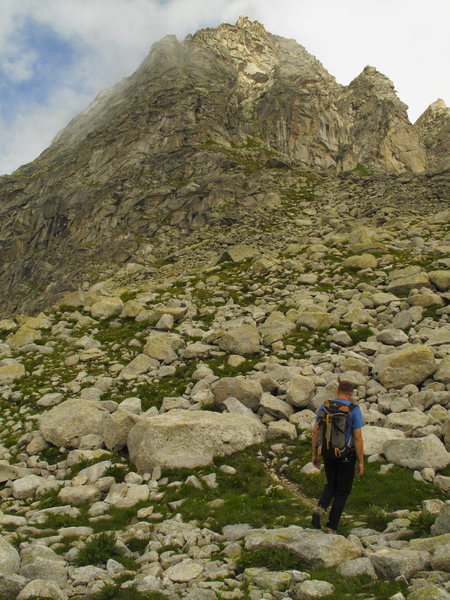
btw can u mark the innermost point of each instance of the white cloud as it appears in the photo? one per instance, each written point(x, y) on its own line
point(406, 41)
point(20, 68)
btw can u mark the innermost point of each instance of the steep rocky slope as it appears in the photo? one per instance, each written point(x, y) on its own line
point(198, 130)
point(105, 394)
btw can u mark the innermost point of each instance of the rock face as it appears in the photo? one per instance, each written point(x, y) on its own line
point(433, 127)
point(186, 439)
point(225, 99)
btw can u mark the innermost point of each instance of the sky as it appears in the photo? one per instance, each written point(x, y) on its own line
point(57, 55)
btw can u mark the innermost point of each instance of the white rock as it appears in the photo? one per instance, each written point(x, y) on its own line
point(242, 340)
point(9, 558)
point(275, 328)
point(417, 453)
point(140, 364)
point(245, 390)
point(115, 429)
point(280, 429)
point(107, 307)
point(314, 548)
point(299, 390)
point(26, 487)
point(42, 588)
point(186, 570)
point(190, 439)
point(65, 424)
point(79, 494)
point(313, 588)
point(410, 364)
point(10, 370)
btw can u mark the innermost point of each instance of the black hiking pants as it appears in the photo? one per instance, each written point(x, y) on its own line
point(340, 474)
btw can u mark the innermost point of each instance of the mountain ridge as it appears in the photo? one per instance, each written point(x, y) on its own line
point(156, 150)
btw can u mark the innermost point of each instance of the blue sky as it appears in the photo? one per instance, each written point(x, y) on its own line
point(57, 55)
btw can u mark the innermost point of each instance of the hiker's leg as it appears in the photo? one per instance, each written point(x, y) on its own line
point(345, 472)
point(329, 490)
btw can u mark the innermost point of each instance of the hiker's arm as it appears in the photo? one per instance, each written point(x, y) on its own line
point(359, 447)
point(314, 449)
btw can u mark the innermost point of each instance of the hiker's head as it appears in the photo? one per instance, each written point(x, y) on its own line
point(345, 389)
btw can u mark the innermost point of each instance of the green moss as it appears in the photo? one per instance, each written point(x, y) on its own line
point(361, 169)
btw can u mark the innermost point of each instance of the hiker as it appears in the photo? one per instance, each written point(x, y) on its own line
point(337, 438)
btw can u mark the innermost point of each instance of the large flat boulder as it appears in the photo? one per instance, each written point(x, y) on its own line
point(417, 453)
point(275, 327)
point(188, 439)
point(314, 548)
point(107, 307)
point(375, 437)
point(10, 370)
point(247, 391)
point(67, 423)
point(409, 278)
point(390, 564)
point(242, 340)
point(408, 365)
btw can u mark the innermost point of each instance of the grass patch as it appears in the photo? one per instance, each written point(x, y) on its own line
point(274, 559)
point(431, 312)
point(394, 490)
point(118, 335)
point(99, 549)
point(117, 471)
point(360, 334)
point(119, 518)
point(376, 518)
point(421, 525)
point(49, 500)
point(137, 544)
point(249, 495)
point(361, 586)
point(53, 455)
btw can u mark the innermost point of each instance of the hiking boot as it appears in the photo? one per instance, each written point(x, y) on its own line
point(315, 520)
point(329, 530)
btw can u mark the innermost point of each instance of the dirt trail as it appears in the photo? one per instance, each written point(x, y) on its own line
point(292, 487)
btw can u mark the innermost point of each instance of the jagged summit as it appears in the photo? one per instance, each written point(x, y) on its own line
point(195, 138)
point(433, 127)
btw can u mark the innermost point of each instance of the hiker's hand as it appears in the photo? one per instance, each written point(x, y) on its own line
point(360, 469)
point(316, 462)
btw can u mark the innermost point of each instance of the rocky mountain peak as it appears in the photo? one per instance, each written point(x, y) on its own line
point(433, 127)
point(372, 82)
point(194, 139)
